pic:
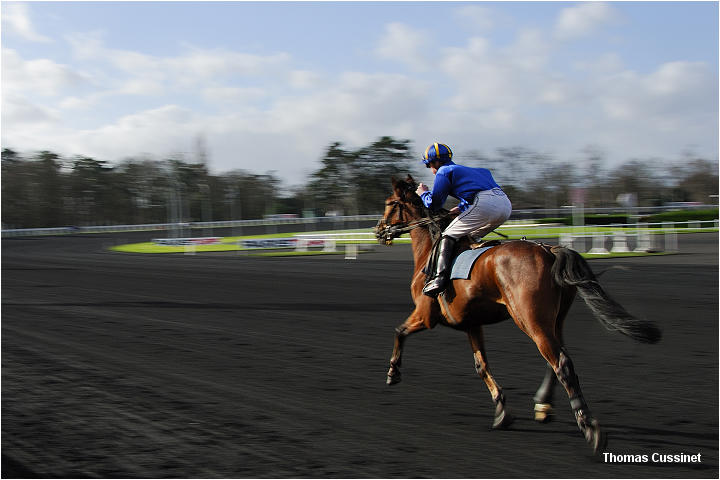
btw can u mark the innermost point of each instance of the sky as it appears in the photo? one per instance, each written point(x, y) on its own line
point(268, 86)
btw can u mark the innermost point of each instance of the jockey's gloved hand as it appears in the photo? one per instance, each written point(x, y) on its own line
point(463, 205)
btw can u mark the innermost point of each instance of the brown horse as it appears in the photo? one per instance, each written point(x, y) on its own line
point(532, 283)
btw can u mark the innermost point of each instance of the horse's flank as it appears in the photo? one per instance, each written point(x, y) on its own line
point(482, 298)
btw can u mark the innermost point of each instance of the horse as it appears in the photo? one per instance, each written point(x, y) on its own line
point(532, 283)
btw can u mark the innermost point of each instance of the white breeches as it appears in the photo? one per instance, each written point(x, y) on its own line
point(490, 209)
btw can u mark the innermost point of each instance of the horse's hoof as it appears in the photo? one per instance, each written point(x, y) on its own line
point(595, 437)
point(543, 412)
point(394, 378)
point(503, 420)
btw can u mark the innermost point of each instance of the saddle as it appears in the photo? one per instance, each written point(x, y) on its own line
point(467, 251)
point(464, 245)
point(486, 243)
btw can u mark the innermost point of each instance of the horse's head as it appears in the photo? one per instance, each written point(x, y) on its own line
point(401, 208)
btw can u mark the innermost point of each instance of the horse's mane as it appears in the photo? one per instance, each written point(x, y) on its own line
point(406, 191)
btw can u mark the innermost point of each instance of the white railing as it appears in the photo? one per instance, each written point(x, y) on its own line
point(644, 236)
point(351, 240)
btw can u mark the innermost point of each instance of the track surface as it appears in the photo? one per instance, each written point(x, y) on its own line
point(223, 365)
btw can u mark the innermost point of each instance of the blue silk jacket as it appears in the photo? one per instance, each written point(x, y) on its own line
point(460, 182)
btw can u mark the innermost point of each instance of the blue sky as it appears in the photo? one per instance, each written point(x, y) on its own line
point(269, 85)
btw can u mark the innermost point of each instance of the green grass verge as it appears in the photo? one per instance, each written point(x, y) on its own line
point(294, 253)
point(625, 254)
point(149, 247)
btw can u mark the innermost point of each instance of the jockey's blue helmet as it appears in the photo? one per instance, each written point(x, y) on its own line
point(437, 151)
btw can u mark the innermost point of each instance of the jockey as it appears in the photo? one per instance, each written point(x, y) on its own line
point(483, 207)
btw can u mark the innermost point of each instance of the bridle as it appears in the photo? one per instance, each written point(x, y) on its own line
point(387, 233)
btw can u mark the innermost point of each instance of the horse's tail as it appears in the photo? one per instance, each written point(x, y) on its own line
point(571, 270)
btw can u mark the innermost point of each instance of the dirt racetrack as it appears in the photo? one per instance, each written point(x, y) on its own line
point(230, 366)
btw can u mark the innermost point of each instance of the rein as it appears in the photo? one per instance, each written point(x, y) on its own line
point(397, 229)
point(420, 223)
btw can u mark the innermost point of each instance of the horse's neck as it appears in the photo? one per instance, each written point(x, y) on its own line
point(422, 245)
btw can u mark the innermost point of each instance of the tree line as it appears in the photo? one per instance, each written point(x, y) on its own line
point(46, 190)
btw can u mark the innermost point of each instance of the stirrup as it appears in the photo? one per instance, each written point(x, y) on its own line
point(435, 287)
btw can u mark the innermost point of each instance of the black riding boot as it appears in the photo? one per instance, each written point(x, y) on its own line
point(441, 276)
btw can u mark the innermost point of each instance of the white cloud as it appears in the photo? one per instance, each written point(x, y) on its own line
point(16, 21)
point(558, 91)
point(678, 78)
point(160, 132)
point(497, 79)
point(404, 44)
point(366, 101)
point(606, 63)
point(288, 134)
point(640, 115)
point(355, 109)
point(233, 95)
point(145, 127)
point(140, 86)
point(199, 65)
point(514, 95)
point(302, 79)
point(19, 113)
point(192, 67)
point(38, 77)
point(79, 103)
point(530, 50)
point(95, 99)
point(674, 91)
point(482, 95)
point(583, 19)
point(87, 45)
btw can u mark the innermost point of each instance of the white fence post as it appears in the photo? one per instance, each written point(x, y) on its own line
point(671, 244)
point(330, 245)
point(301, 245)
point(351, 250)
point(579, 243)
point(598, 245)
point(619, 243)
point(566, 240)
point(644, 241)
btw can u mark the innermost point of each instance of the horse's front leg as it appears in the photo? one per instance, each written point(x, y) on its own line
point(423, 317)
point(411, 325)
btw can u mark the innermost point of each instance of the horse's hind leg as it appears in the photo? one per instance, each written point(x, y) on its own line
point(565, 373)
point(562, 365)
point(503, 419)
point(544, 396)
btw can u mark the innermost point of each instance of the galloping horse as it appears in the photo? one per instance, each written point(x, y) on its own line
point(532, 283)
